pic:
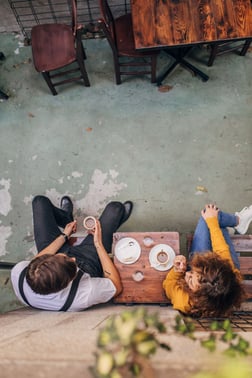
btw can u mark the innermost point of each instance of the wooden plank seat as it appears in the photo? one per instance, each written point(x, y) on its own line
point(243, 247)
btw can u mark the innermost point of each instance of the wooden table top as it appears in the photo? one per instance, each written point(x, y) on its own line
point(149, 289)
point(164, 23)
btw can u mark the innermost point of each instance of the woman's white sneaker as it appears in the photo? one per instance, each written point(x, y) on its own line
point(245, 216)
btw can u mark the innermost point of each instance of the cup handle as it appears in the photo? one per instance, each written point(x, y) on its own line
point(155, 265)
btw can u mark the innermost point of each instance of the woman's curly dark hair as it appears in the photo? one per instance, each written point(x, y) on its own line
point(221, 290)
point(48, 274)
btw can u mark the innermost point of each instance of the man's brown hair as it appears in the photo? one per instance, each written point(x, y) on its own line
point(48, 274)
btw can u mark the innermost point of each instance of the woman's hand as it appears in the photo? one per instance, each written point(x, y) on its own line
point(70, 228)
point(210, 211)
point(179, 264)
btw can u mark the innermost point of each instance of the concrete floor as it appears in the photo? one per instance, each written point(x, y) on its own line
point(168, 152)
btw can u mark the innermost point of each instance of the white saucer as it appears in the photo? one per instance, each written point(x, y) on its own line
point(127, 250)
point(153, 253)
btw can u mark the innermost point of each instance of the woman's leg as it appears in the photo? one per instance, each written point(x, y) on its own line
point(46, 221)
point(202, 240)
point(227, 220)
point(231, 248)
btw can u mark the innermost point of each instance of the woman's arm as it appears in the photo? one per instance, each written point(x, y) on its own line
point(53, 248)
point(178, 297)
point(219, 245)
point(109, 269)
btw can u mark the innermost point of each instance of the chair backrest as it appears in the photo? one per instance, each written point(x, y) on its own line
point(74, 17)
point(108, 20)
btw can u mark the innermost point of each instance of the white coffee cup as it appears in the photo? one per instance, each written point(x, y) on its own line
point(89, 222)
point(161, 258)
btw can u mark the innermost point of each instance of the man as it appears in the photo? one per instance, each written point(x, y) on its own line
point(62, 277)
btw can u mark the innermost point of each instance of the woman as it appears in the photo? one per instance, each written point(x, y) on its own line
point(211, 286)
point(63, 277)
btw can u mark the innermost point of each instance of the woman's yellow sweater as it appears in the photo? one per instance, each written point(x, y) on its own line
point(178, 297)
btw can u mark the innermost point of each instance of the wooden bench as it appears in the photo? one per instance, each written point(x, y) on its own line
point(243, 247)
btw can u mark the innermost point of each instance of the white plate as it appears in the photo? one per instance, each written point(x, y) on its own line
point(127, 250)
point(153, 253)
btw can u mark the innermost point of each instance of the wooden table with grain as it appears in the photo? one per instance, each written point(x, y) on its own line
point(149, 289)
point(167, 24)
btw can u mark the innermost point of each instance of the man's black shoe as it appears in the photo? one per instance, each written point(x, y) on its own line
point(67, 205)
point(128, 206)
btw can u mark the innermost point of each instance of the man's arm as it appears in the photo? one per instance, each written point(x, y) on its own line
point(109, 269)
point(53, 247)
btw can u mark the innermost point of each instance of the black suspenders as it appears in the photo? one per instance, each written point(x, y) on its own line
point(72, 291)
point(71, 294)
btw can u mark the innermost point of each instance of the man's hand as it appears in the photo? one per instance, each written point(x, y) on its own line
point(70, 228)
point(109, 269)
point(97, 233)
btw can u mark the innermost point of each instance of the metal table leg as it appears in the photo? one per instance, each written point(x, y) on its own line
point(179, 59)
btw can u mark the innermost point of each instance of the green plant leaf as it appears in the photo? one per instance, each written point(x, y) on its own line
point(115, 374)
point(243, 344)
point(226, 325)
point(229, 335)
point(104, 364)
point(104, 338)
point(135, 368)
point(146, 348)
point(215, 326)
point(209, 343)
point(141, 335)
point(121, 357)
point(125, 329)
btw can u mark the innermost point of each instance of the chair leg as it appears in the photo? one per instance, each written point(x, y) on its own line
point(47, 78)
point(80, 56)
point(83, 72)
point(83, 52)
point(117, 70)
point(245, 47)
point(214, 49)
point(79, 46)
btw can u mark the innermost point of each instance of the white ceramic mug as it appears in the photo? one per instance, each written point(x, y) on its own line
point(161, 258)
point(89, 222)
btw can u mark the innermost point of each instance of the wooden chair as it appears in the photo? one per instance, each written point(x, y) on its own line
point(119, 33)
point(226, 47)
point(55, 47)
